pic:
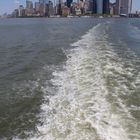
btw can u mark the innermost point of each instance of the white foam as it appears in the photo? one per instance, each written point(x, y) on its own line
point(80, 109)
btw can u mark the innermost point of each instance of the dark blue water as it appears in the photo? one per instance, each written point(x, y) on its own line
point(70, 78)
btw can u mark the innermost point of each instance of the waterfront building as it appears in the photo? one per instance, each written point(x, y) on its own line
point(37, 6)
point(42, 9)
point(118, 7)
point(44, 6)
point(15, 13)
point(102, 6)
point(106, 9)
point(81, 6)
point(113, 8)
point(99, 6)
point(87, 6)
point(130, 6)
point(59, 8)
point(65, 11)
point(124, 6)
point(78, 11)
point(21, 11)
point(29, 8)
point(94, 7)
point(29, 4)
point(49, 9)
point(73, 8)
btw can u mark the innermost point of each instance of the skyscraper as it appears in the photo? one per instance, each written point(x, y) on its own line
point(42, 7)
point(21, 11)
point(106, 7)
point(90, 6)
point(29, 4)
point(124, 6)
point(94, 10)
point(37, 6)
point(118, 7)
point(130, 6)
point(29, 8)
point(99, 6)
point(59, 8)
point(102, 6)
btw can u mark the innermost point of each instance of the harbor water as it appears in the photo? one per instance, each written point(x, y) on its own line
point(70, 79)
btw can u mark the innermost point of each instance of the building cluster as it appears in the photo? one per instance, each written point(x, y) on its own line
point(47, 8)
point(41, 8)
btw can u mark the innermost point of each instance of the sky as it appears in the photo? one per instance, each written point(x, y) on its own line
point(7, 6)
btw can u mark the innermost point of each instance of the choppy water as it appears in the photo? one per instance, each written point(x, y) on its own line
point(70, 79)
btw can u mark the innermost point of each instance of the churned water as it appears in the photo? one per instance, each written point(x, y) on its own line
point(70, 79)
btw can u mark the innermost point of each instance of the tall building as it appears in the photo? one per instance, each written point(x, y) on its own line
point(94, 8)
point(90, 6)
point(37, 6)
point(130, 6)
point(99, 6)
point(21, 11)
point(113, 8)
point(42, 8)
point(124, 6)
point(59, 7)
point(106, 9)
point(29, 4)
point(50, 9)
point(118, 7)
point(29, 8)
point(102, 6)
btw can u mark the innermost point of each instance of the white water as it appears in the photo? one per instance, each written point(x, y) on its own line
point(80, 109)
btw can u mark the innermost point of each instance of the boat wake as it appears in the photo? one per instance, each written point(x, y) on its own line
point(88, 92)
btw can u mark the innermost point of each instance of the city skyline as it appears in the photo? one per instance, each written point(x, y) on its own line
point(7, 7)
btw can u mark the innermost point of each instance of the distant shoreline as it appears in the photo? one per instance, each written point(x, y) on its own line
point(76, 16)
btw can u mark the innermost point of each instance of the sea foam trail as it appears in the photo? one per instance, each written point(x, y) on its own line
point(80, 109)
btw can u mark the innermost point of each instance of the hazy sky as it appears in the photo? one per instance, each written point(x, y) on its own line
point(9, 5)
